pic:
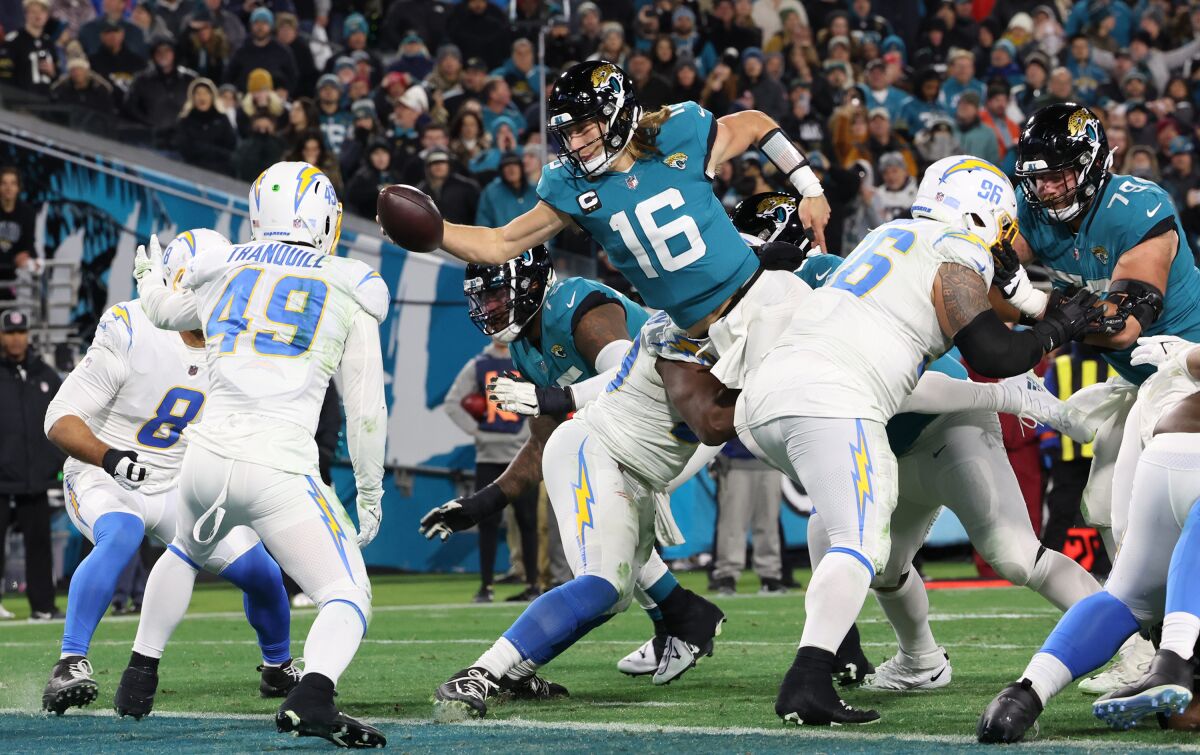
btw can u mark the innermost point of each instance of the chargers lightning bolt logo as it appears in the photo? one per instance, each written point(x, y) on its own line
point(583, 502)
point(860, 457)
point(331, 523)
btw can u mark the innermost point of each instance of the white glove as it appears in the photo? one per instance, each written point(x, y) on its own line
point(370, 514)
point(519, 396)
point(1154, 350)
point(1021, 294)
point(124, 467)
point(148, 263)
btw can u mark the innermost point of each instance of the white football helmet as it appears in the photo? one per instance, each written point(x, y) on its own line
point(183, 249)
point(295, 202)
point(970, 194)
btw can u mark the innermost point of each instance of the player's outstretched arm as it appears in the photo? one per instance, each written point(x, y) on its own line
point(491, 246)
point(704, 403)
point(167, 309)
point(1137, 287)
point(366, 419)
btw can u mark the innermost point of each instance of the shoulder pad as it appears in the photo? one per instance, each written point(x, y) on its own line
point(966, 249)
point(115, 329)
point(370, 291)
point(663, 338)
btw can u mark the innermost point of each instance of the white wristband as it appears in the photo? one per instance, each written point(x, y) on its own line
point(780, 150)
point(806, 182)
point(1028, 299)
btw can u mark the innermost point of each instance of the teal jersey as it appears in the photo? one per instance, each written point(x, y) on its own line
point(903, 429)
point(558, 361)
point(1127, 212)
point(660, 223)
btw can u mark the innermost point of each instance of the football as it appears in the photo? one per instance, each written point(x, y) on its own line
point(476, 405)
point(409, 218)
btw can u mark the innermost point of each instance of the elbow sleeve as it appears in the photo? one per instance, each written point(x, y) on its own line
point(993, 350)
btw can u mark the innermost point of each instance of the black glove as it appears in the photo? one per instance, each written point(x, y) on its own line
point(1068, 319)
point(780, 255)
point(123, 467)
point(463, 513)
point(1006, 267)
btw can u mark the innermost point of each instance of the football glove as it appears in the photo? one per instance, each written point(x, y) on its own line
point(523, 397)
point(148, 262)
point(124, 467)
point(780, 255)
point(1154, 350)
point(1068, 319)
point(463, 513)
point(1006, 268)
point(370, 515)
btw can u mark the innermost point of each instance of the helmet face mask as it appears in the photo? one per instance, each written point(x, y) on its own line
point(971, 194)
point(599, 93)
point(1063, 160)
point(502, 299)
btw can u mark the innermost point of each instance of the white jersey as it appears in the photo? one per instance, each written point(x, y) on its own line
point(276, 317)
point(633, 418)
point(1162, 391)
point(137, 388)
point(856, 346)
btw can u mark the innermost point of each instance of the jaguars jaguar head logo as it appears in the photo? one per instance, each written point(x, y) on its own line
point(558, 351)
point(778, 209)
point(1078, 121)
point(676, 160)
point(606, 75)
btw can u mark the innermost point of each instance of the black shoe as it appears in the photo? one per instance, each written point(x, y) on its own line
point(511, 578)
point(71, 685)
point(529, 593)
point(691, 618)
point(851, 665)
point(278, 681)
point(47, 615)
point(135, 693)
point(807, 696)
point(723, 586)
point(1165, 689)
point(483, 596)
point(1009, 715)
point(464, 695)
point(309, 711)
point(772, 586)
point(532, 687)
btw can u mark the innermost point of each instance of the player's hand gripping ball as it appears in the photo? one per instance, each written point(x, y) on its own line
point(409, 218)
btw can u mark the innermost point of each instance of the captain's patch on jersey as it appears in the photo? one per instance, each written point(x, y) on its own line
point(676, 160)
point(589, 201)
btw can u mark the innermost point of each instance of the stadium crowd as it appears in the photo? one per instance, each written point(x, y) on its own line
point(445, 95)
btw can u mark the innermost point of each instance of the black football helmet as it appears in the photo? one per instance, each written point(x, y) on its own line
point(770, 216)
point(593, 92)
point(504, 298)
point(1056, 141)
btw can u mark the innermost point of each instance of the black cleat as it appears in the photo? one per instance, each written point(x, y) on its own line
point(135, 693)
point(464, 695)
point(807, 696)
point(532, 687)
point(71, 685)
point(851, 665)
point(1166, 689)
point(1009, 715)
point(278, 681)
point(309, 711)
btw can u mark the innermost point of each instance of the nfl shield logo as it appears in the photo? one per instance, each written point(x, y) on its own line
point(192, 370)
point(631, 182)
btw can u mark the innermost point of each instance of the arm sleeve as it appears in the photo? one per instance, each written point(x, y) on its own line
point(167, 309)
point(700, 459)
point(89, 388)
point(608, 361)
point(366, 408)
point(463, 385)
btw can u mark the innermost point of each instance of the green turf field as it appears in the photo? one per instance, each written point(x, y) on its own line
point(423, 630)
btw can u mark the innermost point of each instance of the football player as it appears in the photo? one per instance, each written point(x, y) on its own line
point(120, 415)
point(819, 402)
point(1154, 577)
point(280, 314)
point(1119, 236)
point(567, 338)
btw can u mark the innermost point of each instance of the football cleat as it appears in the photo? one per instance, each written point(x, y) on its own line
point(903, 672)
point(532, 687)
point(485, 595)
point(464, 695)
point(1133, 661)
point(278, 681)
point(807, 696)
point(1039, 404)
point(135, 693)
point(1009, 715)
point(71, 685)
point(309, 711)
point(693, 624)
point(725, 586)
point(645, 659)
point(771, 586)
point(851, 666)
point(6, 614)
point(1165, 689)
point(679, 656)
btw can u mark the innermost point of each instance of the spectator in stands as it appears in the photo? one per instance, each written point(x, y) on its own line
point(112, 12)
point(414, 58)
point(473, 87)
point(882, 139)
point(1180, 176)
point(333, 119)
point(961, 79)
point(686, 85)
point(504, 139)
point(468, 138)
point(561, 46)
point(261, 50)
point(229, 25)
point(457, 198)
point(260, 97)
point(73, 14)
point(720, 88)
point(973, 136)
point(362, 192)
point(144, 18)
point(1142, 162)
point(1003, 63)
point(880, 93)
point(662, 55)
point(83, 88)
point(311, 148)
point(480, 28)
point(653, 91)
point(159, 92)
point(354, 33)
point(937, 140)
point(498, 103)
point(1159, 63)
point(1140, 123)
point(114, 60)
point(28, 53)
point(1089, 76)
point(446, 79)
point(507, 196)
point(302, 116)
point(863, 18)
point(287, 33)
point(1166, 131)
point(174, 13)
point(228, 96)
point(345, 69)
point(589, 29)
point(532, 162)
point(768, 93)
point(523, 75)
point(29, 464)
point(732, 25)
point(405, 121)
point(894, 197)
point(203, 135)
point(432, 136)
point(685, 35)
point(935, 54)
point(1037, 77)
point(366, 129)
point(203, 47)
point(18, 223)
point(1060, 88)
point(259, 149)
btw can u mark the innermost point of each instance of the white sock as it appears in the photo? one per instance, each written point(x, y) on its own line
point(818, 540)
point(333, 640)
point(168, 593)
point(500, 658)
point(1048, 675)
point(907, 610)
point(1060, 580)
point(941, 394)
point(835, 596)
point(523, 670)
point(1179, 633)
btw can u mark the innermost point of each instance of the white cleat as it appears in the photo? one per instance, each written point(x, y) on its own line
point(644, 660)
point(6, 614)
point(1133, 661)
point(1039, 404)
point(902, 672)
point(678, 657)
